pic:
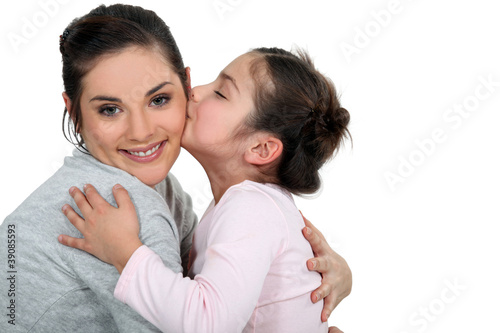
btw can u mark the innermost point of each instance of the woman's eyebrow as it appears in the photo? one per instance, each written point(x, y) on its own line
point(105, 98)
point(117, 100)
point(156, 88)
point(226, 76)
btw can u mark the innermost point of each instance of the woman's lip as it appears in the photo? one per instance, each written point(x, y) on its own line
point(144, 159)
point(146, 148)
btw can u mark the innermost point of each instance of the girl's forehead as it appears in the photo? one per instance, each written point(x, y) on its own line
point(239, 70)
point(242, 62)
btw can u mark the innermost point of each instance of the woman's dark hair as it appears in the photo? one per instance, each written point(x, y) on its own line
point(300, 106)
point(106, 30)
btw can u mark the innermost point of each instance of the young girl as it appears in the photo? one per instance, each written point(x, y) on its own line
point(261, 130)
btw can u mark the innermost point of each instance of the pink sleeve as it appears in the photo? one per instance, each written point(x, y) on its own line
point(245, 236)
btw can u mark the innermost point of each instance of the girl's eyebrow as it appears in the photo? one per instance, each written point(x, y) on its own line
point(117, 100)
point(226, 76)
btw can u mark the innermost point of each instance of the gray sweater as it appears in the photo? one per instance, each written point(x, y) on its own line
point(47, 287)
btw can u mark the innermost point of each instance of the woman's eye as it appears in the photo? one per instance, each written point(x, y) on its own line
point(219, 94)
point(109, 110)
point(160, 100)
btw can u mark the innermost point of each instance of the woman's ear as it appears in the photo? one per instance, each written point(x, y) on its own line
point(188, 82)
point(67, 102)
point(264, 149)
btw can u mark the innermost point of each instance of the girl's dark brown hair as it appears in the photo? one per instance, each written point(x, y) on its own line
point(300, 106)
point(107, 30)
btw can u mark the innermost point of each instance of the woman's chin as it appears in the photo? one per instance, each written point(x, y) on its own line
point(151, 179)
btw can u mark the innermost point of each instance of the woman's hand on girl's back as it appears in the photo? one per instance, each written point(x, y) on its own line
point(336, 275)
point(111, 234)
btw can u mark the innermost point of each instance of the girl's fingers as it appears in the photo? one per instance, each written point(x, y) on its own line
point(76, 243)
point(93, 197)
point(74, 218)
point(80, 200)
point(122, 197)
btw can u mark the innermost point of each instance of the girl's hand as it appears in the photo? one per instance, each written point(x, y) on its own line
point(111, 234)
point(337, 277)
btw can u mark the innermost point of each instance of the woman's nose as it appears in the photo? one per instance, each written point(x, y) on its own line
point(140, 126)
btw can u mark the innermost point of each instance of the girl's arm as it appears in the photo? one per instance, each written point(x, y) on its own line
point(103, 222)
point(221, 298)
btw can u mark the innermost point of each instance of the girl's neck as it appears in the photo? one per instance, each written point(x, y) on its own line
point(224, 175)
point(220, 182)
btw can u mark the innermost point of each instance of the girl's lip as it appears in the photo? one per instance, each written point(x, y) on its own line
point(145, 154)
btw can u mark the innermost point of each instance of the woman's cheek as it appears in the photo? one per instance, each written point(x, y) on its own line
point(93, 138)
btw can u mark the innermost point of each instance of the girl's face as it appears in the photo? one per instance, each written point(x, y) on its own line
point(133, 113)
point(216, 110)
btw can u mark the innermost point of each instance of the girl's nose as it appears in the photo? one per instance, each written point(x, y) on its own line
point(199, 92)
point(194, 95)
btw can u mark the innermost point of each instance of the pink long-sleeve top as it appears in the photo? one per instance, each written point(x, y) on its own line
point(248, 272)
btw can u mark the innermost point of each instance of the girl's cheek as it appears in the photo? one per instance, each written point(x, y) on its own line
point(209, 130)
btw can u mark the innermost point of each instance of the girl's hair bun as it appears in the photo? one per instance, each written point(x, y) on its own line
point(301, 107)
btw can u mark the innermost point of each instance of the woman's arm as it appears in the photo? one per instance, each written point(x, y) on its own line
point(337, 277)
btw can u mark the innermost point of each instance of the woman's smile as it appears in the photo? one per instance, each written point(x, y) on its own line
point(146, 154)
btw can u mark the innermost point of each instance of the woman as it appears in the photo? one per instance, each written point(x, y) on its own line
point(61, 289)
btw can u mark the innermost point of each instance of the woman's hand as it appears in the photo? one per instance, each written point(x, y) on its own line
point(337, 277)
point(111, 234)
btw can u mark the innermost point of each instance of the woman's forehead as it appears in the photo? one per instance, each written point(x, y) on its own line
point(133, 69)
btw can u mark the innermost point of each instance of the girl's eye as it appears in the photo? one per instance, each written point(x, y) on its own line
point(219, 94)
point(160, 100)
point(109, 111)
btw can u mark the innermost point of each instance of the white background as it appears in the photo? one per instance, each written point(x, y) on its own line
point(424, 251)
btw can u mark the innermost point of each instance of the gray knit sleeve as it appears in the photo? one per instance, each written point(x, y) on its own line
point(181, 207)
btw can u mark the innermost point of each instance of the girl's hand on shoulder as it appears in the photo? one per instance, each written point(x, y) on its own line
point(111, 234)
point(336, 275)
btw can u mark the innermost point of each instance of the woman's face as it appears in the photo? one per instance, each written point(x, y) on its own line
point(216, 110)
point(133, 110)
